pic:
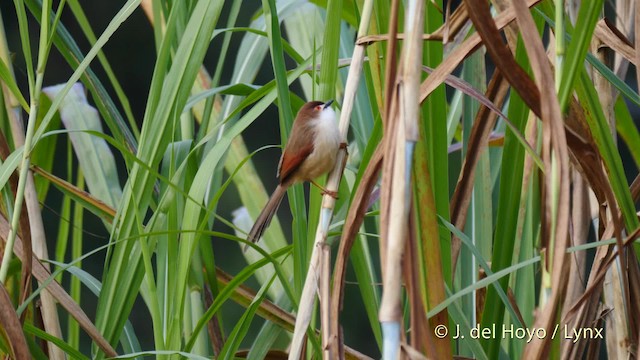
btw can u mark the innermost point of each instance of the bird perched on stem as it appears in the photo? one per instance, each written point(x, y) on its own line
point(311, 151)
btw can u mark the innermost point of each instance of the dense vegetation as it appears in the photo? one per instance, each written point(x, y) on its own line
point(484, 208)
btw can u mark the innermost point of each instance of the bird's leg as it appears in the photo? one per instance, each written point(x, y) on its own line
point(333, 194)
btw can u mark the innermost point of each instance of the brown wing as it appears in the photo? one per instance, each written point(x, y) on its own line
point(300, 143)
point(290, 162)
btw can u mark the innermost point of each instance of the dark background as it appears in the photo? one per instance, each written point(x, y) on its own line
point(131, 53)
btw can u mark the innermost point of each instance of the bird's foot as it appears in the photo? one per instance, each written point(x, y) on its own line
point(324, 191)
point(333, 194)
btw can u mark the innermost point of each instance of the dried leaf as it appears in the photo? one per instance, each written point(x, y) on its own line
point(555, 153)
point(25, 229)
point(43, 275)
point(105, 211)
point(482, 126)
point(10, 325)
point(464, 50)
point(352, 223)
point(613, 38)
point(479, 12)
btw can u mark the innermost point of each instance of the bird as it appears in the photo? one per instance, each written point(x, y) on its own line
point(311, 151)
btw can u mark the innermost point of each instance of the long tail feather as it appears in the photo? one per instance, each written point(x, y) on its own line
point(264, 219)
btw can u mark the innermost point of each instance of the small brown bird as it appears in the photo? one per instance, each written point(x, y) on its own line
point(311, 151)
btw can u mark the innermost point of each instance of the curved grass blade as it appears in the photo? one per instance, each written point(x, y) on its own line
point(94, 156)
point(627, 130)
point(69, 49)
point(75, 354)
point(11, 327)
point(129, 339)
point(169, 92)
point(578, 46)
point(480, 259)
point(242, 326)
point(8, 79)
point(227, 291)
point(84, 23)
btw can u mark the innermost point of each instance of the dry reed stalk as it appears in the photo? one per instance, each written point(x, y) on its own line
point(305, 308)
point(41, 272)
point(36, 227)
point(406, 91)
point(556, 183)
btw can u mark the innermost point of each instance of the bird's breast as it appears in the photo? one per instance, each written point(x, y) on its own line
point(326, 146)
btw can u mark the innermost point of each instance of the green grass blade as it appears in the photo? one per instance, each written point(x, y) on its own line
point(493, 278)
point(475, 285)
point(84, 23)
point(209, 162)
point(8, 79)
point(76, 252)
point(463, 326)
point(479, 219)
point(227, 291)
point(511, 175)
point(269, 333)
point(585, 24)
point(434, 110)
point(25, 41)
point(296, 195)
point(10, 165)
point(361, 256)
point(68, 48)
point(611, 157)
point(93, 154)
point(627, 130)
point(242, 326)
point(72, 352)
point(279, 69)
point(304, 232)
point(169, 94)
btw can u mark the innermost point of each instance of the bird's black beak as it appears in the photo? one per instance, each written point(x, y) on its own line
point(327, 104)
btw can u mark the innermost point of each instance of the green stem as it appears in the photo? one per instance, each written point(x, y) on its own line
point(24, 167)
point(43, 51)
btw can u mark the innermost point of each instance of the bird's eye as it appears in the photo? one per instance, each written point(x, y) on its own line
point(318, 108)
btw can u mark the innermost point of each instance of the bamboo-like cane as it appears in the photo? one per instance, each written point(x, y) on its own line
point(27, 189)
point(408, 97)
point(305, 309)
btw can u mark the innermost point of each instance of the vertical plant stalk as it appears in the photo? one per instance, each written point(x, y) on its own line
point(73, 328)
point(556, 202)
point(636, 26)
point(314, 276)
point(390, 313)
point(325, 300)
point(388, 125)
point(305, 309)
point(625, 19)
point(560, 43)
point(560, 50)
point(616, 286)
point(26, 191)
point(14, 114)
point(408, 97)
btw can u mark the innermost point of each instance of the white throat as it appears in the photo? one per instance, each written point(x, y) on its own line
point(326, 146)
point(327, 131)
